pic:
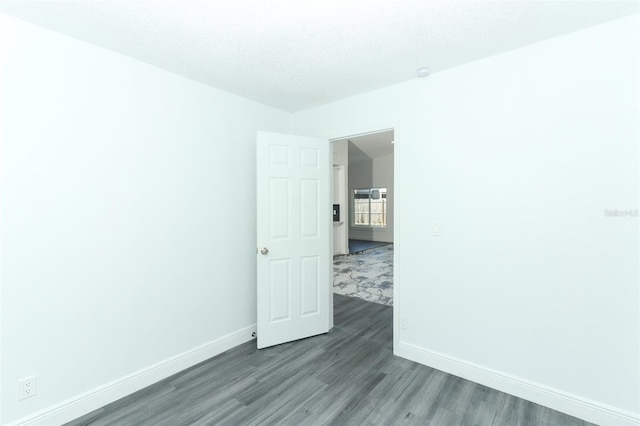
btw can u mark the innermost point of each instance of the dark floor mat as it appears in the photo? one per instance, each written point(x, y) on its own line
point(357, 246)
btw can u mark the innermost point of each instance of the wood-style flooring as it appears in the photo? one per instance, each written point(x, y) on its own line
point(346, 377)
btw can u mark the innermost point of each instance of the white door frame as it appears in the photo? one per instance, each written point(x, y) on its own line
point(396, 216)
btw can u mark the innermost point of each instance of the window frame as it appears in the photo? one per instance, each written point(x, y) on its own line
point(384, 202)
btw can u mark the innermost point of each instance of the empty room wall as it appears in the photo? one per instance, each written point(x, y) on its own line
point(531, 288)
point(373, 173)
point(383, 177)
point(360, 177)
point(127, 206)
point(341, 196)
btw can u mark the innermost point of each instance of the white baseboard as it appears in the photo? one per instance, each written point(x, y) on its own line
point(574, 405)
point(85, 403)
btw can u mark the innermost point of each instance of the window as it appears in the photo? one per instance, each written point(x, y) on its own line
point(370, 207)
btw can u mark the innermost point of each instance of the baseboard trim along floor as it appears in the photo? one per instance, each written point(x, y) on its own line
point(110, 392)
point(573, 405)
point(555, 399)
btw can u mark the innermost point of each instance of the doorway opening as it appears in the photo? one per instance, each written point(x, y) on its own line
point(363, 216)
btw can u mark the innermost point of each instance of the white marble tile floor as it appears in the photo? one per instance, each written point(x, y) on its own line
point(367, 275)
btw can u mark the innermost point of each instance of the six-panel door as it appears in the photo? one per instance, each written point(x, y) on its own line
point(293, 236)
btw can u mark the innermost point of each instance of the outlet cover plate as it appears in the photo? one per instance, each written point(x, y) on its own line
point(27, 387)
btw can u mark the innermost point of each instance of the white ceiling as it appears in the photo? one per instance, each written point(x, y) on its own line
point(372, 145)
point(295, 54)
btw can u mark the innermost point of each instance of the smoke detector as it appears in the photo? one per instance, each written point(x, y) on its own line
point(423, 72)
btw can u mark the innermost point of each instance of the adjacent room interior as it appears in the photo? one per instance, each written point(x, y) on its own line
point(363, 222)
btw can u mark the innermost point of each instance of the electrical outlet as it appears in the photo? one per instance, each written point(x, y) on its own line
point(27, 388)
point(403, 322)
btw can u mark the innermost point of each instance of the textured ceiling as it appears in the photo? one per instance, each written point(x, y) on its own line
point(295, 54)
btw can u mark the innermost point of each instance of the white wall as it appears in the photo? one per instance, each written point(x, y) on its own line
point(360, 176)
point(373, 173)
point(383, 177)
point(126, 207)
point(530, 289)
point(340, 196)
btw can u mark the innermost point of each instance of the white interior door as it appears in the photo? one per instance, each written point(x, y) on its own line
point(294, 237)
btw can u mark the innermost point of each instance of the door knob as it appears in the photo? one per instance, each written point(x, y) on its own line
point(264, 250)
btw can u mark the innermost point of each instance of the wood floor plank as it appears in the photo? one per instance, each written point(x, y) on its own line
point(346, 377)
